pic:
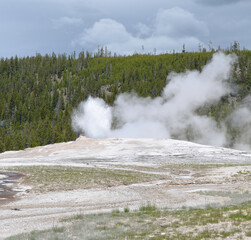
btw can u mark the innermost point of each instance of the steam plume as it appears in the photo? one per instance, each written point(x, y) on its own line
point(240, 121)
point(173, 114)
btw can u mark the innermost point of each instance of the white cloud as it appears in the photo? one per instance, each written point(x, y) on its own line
point(30, 26)
point(142, 29)
point(177, 22)
point(171, 29)
point(64, 21)
point(104, 32)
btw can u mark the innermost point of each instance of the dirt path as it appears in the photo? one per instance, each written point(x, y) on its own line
point(192, 180)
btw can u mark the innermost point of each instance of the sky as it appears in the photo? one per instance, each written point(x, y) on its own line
point(126, 27)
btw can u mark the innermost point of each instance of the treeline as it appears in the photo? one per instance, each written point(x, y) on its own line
point(38, 93)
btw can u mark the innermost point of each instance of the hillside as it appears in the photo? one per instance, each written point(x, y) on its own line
point(39, 93)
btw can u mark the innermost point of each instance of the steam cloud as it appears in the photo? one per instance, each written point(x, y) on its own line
point(173, 114)
point(240, 120)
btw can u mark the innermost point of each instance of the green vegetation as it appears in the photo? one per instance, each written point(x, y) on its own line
point(179, 167)
point(74, 218)
point(246, 174)
point(56, 178)
point(148, 208)
point(234, 197)
point(38, 93)
point(150, 222)
point(126, 210)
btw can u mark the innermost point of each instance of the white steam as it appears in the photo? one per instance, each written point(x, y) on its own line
point(240, 120)
point(173, 114)
point(93, 117)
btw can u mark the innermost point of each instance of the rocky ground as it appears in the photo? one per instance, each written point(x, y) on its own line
point(99, 175)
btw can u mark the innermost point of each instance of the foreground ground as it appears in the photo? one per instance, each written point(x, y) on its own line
point(113, 178)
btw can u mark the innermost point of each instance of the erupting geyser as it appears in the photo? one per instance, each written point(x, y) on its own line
point(173, 114)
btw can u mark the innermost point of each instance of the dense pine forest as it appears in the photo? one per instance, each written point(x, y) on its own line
point(38, 93)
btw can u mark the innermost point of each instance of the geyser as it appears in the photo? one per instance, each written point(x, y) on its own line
point(173, 114)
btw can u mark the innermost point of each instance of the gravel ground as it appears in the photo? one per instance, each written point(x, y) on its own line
point(189, 170)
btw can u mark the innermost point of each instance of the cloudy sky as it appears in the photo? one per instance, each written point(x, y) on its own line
point(28, 27)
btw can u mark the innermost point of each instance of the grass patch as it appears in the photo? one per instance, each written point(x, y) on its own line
point(198, 166)
point(235, 197)
point(58, 229)
point(150, 222)
point(126, 210)
point(244, 174)
point(74, 218)
point(56, 178)
point(240, 215)
point(165, 166)
point(148, 208)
